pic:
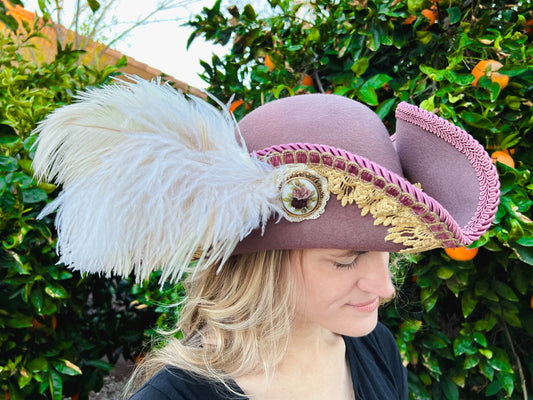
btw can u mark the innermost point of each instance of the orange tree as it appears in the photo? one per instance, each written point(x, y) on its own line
point(464, 328)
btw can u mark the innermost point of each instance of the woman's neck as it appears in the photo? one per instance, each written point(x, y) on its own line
point(313, 367)
point(309, 341)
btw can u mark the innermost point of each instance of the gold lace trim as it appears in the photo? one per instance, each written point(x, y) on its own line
point(405, 228)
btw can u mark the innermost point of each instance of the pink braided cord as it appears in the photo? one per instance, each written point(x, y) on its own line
point(377, 170)
point(486, 172)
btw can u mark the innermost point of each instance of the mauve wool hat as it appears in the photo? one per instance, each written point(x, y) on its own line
point(430, 185)
point(152, 179)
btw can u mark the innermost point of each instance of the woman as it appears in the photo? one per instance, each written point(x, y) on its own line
point(290, 223)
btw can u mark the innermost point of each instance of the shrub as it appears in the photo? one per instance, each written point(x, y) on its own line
point(464, 328)
point(56, 326)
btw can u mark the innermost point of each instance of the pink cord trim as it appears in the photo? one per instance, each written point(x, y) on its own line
point(425, 207)
point(486, 172)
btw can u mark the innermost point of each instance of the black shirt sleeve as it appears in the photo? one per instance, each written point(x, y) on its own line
point(174, 384)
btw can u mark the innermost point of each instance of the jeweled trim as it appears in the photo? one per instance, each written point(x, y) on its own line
point(412, 223)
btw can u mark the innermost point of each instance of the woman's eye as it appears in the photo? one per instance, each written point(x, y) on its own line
point(350, 265)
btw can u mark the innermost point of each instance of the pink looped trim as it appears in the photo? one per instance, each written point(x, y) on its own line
point(486, 172)
point(424, 202)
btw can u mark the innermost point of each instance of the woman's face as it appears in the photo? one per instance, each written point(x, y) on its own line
point(340, 290)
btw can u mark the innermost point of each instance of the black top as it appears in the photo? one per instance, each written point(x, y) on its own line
point(375, 364)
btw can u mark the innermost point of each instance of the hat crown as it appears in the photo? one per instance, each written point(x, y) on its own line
point(323, 119)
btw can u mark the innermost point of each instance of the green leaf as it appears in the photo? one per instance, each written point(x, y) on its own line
point(451, 392)
point(500, 361)
point(295, 47)
point(8, 164)
point(468, 303)
point(94, 5)
point(463, 345)
point(478, 121)
point(360, 66)
point(378, 81)
point(56, 384)
point(368, 95)
point(493, 388)
point(454, 14)
point(56, 291)
point(100, 364)
point(486, 353)
point(507, 382)
point(35, 195)
point(20, 320)
point(36, 298)
point(433, 341)
point(384, 108)
point(432, 73)
point(525, 254)
point(444, 273)
point(503, 290)
point(9, 21)
point(66, 367)
point(24, 379)
point(471, 361)
point(480, 338)
point(37, 365)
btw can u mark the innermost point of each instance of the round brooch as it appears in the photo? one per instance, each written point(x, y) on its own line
point(304, 194)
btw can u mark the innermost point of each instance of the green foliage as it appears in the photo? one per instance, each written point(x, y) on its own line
point(13, 24)
point(55, 326)
point(464, 328)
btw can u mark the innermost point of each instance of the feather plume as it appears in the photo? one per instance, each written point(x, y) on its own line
point(150, 177)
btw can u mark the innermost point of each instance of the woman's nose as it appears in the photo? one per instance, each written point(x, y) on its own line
point(376, 277)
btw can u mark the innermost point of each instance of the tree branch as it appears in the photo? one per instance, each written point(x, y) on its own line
point(519, 364)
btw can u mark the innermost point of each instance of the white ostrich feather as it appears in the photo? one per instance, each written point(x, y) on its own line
point(149, 177)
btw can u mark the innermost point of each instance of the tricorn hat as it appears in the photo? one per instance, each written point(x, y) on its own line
point(152, 179)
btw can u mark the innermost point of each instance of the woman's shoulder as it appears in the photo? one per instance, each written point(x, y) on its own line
point(172, 383)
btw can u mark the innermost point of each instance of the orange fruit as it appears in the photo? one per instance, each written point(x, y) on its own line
point(489, 68)
point(531, 302)
point(409, 20)
point(269, 63)
point(236, 104)
point(461, 253)
point(504, 157)
point(36, 324)
point(307, 80)
point(431, 14)
point(528, 28)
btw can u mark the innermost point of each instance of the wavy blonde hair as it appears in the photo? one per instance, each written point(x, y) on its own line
point(234, 322)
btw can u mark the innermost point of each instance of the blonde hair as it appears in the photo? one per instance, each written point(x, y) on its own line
point(234, 322)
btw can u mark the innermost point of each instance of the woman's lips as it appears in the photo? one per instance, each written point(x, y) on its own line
point(366, 307)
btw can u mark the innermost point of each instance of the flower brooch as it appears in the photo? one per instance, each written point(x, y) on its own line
point(304, 194)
